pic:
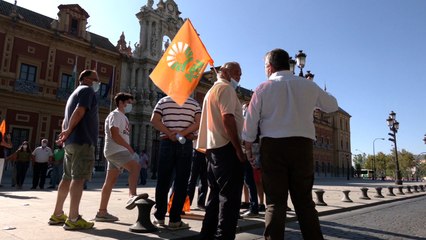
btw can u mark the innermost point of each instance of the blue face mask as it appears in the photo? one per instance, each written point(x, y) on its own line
point(96, 86)
point(234, 83)
point(128, 108)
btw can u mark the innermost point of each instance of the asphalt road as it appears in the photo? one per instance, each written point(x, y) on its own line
point(399, 220)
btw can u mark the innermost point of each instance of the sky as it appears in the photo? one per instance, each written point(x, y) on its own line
point(371, 55)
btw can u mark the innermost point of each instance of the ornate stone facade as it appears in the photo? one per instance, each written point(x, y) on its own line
point(38, 56)
point(157, 26)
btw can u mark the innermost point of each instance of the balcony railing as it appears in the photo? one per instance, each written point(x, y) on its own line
point(25, 86)
point(63, 93)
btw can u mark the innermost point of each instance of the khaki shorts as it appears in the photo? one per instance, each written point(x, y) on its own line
point(117, 160)
point(79, 161)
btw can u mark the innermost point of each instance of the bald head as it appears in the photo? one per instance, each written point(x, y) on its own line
point(230, 70)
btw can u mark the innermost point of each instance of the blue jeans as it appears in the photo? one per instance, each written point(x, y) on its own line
point(198, 169)
point(249, 181)
point(143, 174)
point(57, 172)
point(174, 157)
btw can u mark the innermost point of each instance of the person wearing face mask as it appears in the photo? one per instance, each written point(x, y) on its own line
point(287, 133)
point(119, 154)
point(79, 137)
point(42, 155)
point(22, 158)
point(220, 138)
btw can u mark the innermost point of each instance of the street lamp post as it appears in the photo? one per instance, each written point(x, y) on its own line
point(300, 60)
point(374, 158)
point(348, 167)
point(393, 125)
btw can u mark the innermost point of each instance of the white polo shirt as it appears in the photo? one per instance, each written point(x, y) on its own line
point(42, 154)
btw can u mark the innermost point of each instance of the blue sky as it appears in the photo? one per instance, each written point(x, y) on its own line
point(371, 54)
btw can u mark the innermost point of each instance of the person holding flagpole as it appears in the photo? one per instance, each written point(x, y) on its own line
point(177, 126)
point(220, 137)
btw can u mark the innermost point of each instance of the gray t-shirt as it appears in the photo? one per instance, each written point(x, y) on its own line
point(86, 131)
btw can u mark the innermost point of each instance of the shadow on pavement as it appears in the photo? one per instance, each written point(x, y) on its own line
point(7, 195)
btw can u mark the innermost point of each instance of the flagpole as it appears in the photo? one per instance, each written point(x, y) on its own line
point(76, 74)
point(112, 88)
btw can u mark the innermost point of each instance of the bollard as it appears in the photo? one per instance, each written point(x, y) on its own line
point(390, 188)
point(409, 189)
point(400, 192)
point(378, 193)
point(144, 224)
point(346, 196)
point(364, 194)
point(416, 188)
point(320, 200)
point(422, 189)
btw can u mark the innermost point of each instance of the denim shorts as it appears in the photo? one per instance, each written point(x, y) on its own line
point(79, 161)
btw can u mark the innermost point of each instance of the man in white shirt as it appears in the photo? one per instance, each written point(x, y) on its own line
point(220, 137)
point(120, 155)
point(282, 107)
point(42, 155)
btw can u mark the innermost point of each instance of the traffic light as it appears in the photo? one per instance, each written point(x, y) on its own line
point(392, 138)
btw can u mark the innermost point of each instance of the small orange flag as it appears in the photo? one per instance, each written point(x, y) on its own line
point(180, 68)
point(3, 128)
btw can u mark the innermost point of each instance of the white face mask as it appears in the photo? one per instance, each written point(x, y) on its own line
point(44, 144)
point(96, 86)
point(234, 83)
point(128, 108)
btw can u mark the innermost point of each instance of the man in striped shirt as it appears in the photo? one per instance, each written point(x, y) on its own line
point(177, 125)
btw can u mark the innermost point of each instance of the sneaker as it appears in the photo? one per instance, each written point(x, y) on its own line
point(51, 187)
point(158, 222)
point(262, 208)
point(131, 202)
point(57, 220)
point(177, 225)
point(249, 214)
point(80, 224)
point(105, 218)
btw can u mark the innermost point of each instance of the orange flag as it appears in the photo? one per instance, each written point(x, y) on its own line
point(3, 128)
point(180, 68)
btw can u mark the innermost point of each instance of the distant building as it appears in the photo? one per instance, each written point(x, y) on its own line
point(39, 56)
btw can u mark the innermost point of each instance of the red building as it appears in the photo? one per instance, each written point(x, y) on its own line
point(40, 58)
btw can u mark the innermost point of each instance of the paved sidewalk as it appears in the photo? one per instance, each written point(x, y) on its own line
point(24, 213)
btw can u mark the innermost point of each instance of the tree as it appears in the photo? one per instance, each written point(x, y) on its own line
point(359, 159)
point(407, 164)
point(382, 162)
